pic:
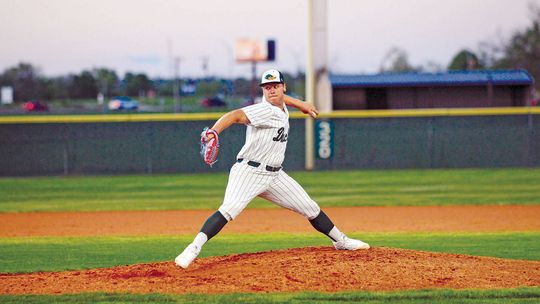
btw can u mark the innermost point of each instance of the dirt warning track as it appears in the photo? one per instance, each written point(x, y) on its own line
point(365, 219)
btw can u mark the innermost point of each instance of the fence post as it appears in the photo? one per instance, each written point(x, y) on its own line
point(530, 135)
point(66, 161)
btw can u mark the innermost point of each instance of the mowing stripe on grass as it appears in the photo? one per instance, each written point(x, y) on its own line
point(328, 188)
point(517, 295)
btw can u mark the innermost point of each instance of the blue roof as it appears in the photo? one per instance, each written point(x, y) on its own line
point(453, 78)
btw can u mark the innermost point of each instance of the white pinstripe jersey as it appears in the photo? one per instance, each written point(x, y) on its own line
point(266, 134)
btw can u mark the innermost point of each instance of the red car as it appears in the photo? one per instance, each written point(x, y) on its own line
point(213, 102)
point(35, 105)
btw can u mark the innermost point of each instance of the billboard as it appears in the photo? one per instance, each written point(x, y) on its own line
point(250, 50)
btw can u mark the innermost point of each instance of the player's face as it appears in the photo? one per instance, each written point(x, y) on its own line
point(274, 92)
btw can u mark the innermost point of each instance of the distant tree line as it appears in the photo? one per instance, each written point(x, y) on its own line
point(521, 50)
point(29, 84)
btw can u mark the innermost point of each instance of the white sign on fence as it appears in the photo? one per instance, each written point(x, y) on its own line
point(7, 95)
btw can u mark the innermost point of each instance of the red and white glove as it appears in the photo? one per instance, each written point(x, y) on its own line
point(209, 146)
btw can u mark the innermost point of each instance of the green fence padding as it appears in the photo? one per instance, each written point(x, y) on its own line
point(148, 147)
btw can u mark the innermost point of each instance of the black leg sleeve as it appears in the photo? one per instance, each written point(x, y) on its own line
point(322, 223)
point(214, 224)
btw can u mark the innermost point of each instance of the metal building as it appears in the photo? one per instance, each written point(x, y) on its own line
point(455, 89)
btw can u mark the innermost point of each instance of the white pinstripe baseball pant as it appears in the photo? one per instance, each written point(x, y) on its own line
point(246, 182)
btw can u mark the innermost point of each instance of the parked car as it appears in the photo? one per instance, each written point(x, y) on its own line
point(213, 102)
point(123, 103)
point(35, 105)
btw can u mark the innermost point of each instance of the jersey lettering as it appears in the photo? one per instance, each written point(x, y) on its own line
point(282, 136)
point(267, 135)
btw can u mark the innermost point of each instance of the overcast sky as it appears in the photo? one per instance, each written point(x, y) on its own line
point(67, 36)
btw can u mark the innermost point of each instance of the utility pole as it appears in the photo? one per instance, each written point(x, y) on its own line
point(205, 66)
point(318, 88)
point(310, 89)
point(176, 85)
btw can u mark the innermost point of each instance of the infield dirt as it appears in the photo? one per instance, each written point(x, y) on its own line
point(301, 269)
point(359, 219)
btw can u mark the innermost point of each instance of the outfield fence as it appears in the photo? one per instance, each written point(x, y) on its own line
point(169, 143)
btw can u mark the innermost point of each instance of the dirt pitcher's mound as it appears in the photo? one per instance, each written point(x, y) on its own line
point(312, 268)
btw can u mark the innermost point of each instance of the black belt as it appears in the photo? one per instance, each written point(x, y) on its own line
point(256, 165)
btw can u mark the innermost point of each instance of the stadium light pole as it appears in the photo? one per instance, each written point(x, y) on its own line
point(310, 89)
point(176, 85)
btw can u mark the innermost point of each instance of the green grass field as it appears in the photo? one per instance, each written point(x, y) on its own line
point(346, 188)
point(57, 253)
point(512, 296)
point(331, 188)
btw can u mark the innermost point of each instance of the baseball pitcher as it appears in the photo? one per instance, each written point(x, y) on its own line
point(258, 171)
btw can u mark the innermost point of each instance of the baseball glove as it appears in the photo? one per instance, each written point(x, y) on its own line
point(209, 146)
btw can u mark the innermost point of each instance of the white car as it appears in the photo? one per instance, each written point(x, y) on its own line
point(123, 103)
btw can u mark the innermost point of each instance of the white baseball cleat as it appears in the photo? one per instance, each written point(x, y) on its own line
point(350, 244)
point(187, 256)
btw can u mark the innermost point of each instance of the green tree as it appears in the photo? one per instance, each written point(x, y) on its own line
point(209, 87)
point(522, 50)
point(107, 81)
point(465, 60)
point(83, 85)
point(296, 84)
point(397, 60)
point(25, 80)
point(242, 86)
point(136, 84)
point(163, 87)
point(54, 88)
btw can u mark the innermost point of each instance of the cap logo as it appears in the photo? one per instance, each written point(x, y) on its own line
point(271, 76)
